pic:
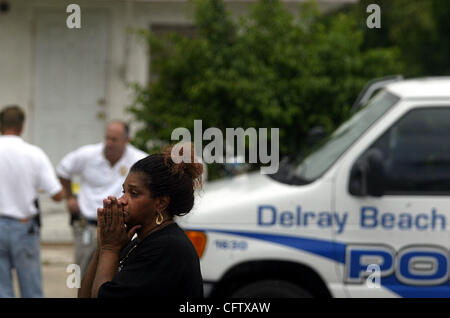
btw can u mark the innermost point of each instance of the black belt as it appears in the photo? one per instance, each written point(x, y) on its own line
point(79, 217)
point(91, 221)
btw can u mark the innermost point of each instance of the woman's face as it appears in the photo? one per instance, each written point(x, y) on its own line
point(138, 205)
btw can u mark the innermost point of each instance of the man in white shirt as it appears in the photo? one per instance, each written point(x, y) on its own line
point(103, 168)
point(24, 170)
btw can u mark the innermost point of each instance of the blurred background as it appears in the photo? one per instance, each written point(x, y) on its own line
point(296, 65)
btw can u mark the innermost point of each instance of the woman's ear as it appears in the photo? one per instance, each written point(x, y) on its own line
point(163, 203)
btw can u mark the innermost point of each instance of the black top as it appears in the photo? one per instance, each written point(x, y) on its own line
point(163, 264)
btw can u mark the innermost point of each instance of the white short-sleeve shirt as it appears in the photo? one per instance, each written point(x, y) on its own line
point(98, 179)
point(24, 171)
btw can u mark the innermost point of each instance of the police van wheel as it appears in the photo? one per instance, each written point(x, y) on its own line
point(272, 288)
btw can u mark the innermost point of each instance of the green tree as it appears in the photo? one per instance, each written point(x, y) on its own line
point(419, 28)
point(266, 69)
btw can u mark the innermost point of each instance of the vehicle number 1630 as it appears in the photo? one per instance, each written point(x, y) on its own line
point(231, 244)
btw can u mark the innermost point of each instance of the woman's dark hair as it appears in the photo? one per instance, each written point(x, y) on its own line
point(164, 177)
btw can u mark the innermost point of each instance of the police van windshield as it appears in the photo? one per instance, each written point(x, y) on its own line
point(329, 150)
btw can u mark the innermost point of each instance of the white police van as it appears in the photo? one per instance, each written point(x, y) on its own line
point(373, 196)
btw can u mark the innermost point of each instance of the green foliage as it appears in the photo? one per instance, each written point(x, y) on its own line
point(267, 69)
point(419, 28)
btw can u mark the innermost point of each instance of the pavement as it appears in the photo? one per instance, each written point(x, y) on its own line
point(55, 274)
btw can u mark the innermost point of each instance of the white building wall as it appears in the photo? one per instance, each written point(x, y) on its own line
point(127, 57)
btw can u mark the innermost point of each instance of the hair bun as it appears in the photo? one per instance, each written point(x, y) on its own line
point(179, 163)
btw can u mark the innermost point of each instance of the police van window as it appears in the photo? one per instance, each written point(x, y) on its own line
point(416, 153)
point(323, 157)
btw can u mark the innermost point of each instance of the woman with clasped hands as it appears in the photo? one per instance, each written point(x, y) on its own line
point(161, 261)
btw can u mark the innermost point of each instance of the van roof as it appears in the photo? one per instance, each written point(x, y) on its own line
point(429, 87)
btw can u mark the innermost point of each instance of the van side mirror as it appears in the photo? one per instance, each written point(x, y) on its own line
point(367, 175)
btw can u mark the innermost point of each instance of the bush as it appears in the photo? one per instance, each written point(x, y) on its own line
point(266, 69)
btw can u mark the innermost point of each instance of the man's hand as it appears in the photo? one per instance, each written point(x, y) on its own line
point(72, 202)
point(72, 205)
point(112, 232)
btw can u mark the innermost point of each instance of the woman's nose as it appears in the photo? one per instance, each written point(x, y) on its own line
point(122, 200)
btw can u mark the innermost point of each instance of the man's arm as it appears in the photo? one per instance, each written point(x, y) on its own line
point(46, 177)
point(67, 186)
point(59, 196)
point(72, 202)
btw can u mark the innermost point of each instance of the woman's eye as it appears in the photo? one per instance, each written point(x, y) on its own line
point(131, 193)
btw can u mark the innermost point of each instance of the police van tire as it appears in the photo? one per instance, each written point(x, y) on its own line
point(272, 288)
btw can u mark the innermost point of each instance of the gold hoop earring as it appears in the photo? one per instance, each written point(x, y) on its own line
point(159, 218)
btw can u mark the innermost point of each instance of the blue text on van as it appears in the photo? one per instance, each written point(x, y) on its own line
point(370, 218)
